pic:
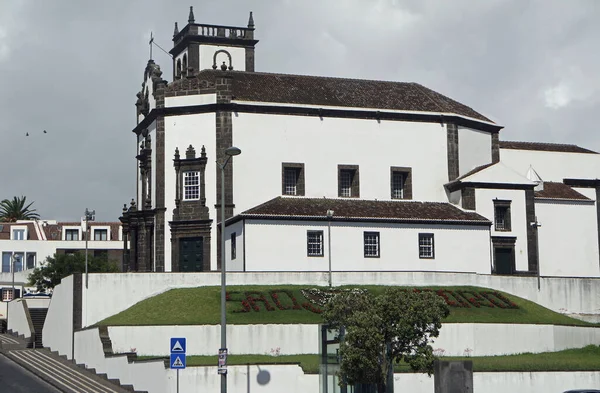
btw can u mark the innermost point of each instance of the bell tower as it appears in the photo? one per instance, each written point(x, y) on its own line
point(201, 46)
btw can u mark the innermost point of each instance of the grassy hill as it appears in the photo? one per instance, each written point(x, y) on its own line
point(283, 304)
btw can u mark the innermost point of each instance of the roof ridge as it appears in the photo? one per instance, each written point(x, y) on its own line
point(421, 87)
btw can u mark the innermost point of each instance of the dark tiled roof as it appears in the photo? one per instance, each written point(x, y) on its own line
point(475, 170)
point(363, 210)
point(5, 230)
point(54, 231)
point(327, 91)
point(559, 191)
point(558, 147)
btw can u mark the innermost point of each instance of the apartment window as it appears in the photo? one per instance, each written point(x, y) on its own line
point(6, 262)
point(31, 257)
point(426, 246)
point(7, 294)
point(18, 263)
point(348, 181)
point(191, 185)
point(502, 215)
point(71, 234)
point(233, 246)
point(401, 183)
point(101, 234)
point(314, 243)
point(292, 178)
point(18, 234)
point(371, 242)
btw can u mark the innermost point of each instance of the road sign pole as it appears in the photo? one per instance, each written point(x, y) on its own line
point(177, 380)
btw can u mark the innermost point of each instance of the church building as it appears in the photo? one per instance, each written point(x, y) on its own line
point(342, 175)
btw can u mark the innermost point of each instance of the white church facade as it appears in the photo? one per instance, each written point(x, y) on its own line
point(358, 175)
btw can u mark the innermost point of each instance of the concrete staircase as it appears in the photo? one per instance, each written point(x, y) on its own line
point(38, 317)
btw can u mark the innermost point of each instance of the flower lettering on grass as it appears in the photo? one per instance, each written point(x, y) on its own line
point(284, 304)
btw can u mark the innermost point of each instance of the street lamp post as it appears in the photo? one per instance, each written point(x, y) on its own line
point(329, 217)
point(229, 152)
point(89, 216)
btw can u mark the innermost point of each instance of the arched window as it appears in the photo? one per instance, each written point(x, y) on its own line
point(178, 72)
point(185, 66)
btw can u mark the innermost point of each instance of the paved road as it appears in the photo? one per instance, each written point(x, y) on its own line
point(15, 379)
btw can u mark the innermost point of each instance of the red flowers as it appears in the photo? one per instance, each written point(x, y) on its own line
point(314, 299)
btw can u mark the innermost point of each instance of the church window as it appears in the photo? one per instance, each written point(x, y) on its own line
point(191, 185)
point(292, 179)
point(233, 246)
point(348, 181)
point(502, 215)
point(185, 66)
point(401, 183)
point(178, 67)
point(371, 244)
point(426, 246)
point(314, 243)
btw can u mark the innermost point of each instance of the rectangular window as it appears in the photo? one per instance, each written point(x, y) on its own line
point(290, 181)
point(101, 234)
point(314, 243)
point(7, 294)
point(233, 246)
point(19, 260)
point(397, 185)
point(371, 244)
point(292, 178)
point(426, 246)
point(31, 257)
point(18, 234)
point(191, 185)
point(6, 262)
point(71, 234)
point(502, 215)
point(348, 181)
point(401, 182)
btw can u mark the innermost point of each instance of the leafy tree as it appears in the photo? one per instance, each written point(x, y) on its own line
point(394, 326)
point(15, 209)
point(55, 268)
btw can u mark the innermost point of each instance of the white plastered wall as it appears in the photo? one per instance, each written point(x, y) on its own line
point(58, 327)
point(238, 57)
point(484, 202)
point(236, 264)
point(474, 149)
point(568, 238)
point(180, 132)
point(281, 246)
point(322, 145)
point(553, 166)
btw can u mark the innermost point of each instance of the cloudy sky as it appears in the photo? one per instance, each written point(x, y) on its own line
point(73, 68)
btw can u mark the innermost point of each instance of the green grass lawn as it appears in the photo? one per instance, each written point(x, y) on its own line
point(201, 306)
point(584, 359)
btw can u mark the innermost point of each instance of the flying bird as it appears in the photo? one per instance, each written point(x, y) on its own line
point(27, 134)
point(45, 132)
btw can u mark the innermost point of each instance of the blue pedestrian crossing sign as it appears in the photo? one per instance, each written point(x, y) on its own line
point(177, 361)
point(178, 345)
point(177, 349)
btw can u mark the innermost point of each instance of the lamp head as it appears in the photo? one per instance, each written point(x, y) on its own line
point(233, 151)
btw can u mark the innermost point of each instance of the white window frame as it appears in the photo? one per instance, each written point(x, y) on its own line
point(5, 294)
point(398, 179)
point(22, 229)
point(290, 180)
point(346, 177)
point(191, 191)
point(371, 240)
point(426, 246)
point(314, 245)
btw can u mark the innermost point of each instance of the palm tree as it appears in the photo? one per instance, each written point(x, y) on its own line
point(11, 211)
